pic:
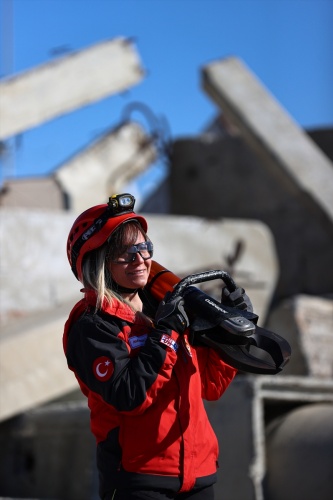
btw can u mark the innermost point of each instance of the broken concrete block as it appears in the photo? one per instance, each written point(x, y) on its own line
point(307, 323)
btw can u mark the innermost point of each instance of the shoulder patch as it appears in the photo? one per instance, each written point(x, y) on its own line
point(103, 368)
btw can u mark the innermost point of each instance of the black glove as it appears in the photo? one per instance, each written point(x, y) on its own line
point(172, 315)
point(237, 299)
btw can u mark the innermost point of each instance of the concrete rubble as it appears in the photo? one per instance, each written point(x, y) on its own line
point(64, 85)
point(244, 197)
point(307, 324)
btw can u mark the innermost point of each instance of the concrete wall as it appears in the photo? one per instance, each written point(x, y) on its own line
point(33, 193)
point(49, 453)
point(224, 178)
point(286, 151)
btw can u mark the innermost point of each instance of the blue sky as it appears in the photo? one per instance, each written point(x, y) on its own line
point(288, 44)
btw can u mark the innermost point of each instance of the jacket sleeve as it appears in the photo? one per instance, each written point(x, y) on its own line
point(216, 375)
point(103, 363)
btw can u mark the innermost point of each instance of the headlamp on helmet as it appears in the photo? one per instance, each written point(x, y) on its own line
point(121, 203)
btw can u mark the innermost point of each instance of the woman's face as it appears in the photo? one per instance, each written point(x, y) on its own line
point(131, 274)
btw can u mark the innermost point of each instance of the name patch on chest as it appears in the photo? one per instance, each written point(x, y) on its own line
point(167, 340)
point(136, 342)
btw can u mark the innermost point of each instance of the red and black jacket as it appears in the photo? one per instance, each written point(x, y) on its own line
point(145, 388)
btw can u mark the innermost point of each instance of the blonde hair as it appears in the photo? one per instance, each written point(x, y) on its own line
point(95, 270)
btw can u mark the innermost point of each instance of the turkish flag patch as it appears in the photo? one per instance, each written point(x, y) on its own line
point(103, 368)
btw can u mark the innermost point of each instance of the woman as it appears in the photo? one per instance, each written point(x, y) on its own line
point(145, 384)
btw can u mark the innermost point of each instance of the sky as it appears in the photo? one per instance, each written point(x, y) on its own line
point(288, 44)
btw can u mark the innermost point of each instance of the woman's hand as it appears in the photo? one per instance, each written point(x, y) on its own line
point(172, 315)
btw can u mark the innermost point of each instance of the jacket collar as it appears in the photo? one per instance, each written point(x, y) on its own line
point(116, 308)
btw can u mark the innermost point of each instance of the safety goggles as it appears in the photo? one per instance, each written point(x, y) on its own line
point(145, 249)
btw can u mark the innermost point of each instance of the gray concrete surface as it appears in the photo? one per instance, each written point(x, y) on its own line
point(270, 131)
point(106, 166)
point(240, 419)
point(307, 324)
point(67, 83)
point(224, 178)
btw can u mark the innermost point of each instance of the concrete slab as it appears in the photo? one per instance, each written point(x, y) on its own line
point(33, 368)
point(67, 83)
point(307, 323)
point(106, 166)
point(292, 156)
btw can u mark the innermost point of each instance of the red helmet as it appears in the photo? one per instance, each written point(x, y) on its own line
point(94, 226)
